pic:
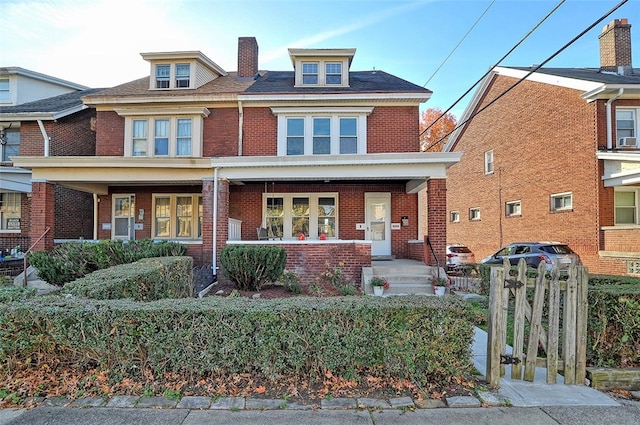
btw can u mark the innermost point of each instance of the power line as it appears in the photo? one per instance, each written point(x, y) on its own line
point(459, 42)
point(531, 31)
point(573, 40)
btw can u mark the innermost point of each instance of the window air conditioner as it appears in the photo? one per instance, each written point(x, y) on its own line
point(627, 142)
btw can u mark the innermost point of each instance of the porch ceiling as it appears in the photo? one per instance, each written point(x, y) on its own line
point(620, 168)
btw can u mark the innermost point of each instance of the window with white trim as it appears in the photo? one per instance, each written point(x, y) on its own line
point(310, 73)
point(626, 205)
point(333, 73)
point(10, 208)
point(163, 76)
point(163, 136)
point(183, 75)
point(488, 162)
point(513, 208)
point(5, 93)
point(627, 127)
point(288, 215)
point(474, 214)
point(322, 132)
point(562, 201)
point(177, 216)
point(454, 216)
point(11, 144)
point(172, 76)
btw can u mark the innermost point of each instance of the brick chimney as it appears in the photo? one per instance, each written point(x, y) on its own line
point(247, 57)
point(615, 46)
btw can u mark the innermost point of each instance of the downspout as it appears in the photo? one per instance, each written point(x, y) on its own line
point(609, 126)
point(214, 264)
point(46, 138)
point(240, 121)
point(95, 216)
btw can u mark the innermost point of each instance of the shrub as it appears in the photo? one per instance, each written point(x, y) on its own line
point(291, 282)
point(145, 280)
point(74, 260)
point(250, 267)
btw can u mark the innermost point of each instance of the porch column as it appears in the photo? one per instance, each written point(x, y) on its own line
point(207, 221)
point(436, 221)
point(223, 217)
point(42, 214)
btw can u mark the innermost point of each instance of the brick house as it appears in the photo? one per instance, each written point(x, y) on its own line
point(321, 160)
point(41, 115)
point(556, 158)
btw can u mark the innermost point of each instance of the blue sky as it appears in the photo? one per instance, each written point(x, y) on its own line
point(98, 43)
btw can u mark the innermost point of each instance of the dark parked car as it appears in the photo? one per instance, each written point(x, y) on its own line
point(534, 252)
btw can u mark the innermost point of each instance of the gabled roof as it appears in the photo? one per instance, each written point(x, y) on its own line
point(593, 84)
point(16, 70)
point(48, 109)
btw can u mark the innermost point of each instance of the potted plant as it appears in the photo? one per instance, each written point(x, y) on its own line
point(379, 285)
point(439, 284)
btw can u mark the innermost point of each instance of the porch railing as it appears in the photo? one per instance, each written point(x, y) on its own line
point(235, 229)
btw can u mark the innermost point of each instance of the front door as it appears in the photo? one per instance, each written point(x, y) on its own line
point(378, 222)
point(122, 226)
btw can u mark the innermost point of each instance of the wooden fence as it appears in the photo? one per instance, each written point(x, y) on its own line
point(565, 347)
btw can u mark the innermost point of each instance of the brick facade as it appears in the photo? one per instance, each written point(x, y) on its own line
point(544, 139)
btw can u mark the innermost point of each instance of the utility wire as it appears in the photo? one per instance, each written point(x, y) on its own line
point(537, 67)
point(459, 42)
point(531, 31)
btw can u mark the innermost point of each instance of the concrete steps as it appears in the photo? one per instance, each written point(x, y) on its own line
point(405, 277)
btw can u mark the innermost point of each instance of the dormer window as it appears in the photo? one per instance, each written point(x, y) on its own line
point(333, 73)
point(182, 75)
point(163, 75)
point(310, 73)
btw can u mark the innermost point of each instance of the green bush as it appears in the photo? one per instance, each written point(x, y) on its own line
point(73, 260)
point(422, 339)
point(250, 267)
point(145, 280)
point(14, 293)
point(613, 329)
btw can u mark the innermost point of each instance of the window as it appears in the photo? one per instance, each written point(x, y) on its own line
point(330, 131)
point(626, 135)
point(512, 209)
point(333, 73)
point(10, 203)
point(163, 75)
point(163, 136)
point(474, 214)
point(11, 146)
point(562, 202)
point(288, 215)
point(488, 162)
point(5, 94)
point(626, 206)
point(310, 73)
point(454, 216)
point(177, 216)
point(182, 75)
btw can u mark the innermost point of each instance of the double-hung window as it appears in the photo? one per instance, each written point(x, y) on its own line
point(182, 75)
point(163, 136)
point(626, 206)
point(11, 144)
point(333, 73)
point(331, 131)
point(10, 207)
point(163, 76)
point(289, 215)
point(139, 138)
point(488, 162)
point(183, 137)
point(310, 73)
point(177, 216)
point(626, 127)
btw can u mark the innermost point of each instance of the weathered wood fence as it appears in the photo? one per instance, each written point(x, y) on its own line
point(565, 347)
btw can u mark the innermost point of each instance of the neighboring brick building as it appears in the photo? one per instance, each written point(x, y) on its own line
point(319, 151)
point(556, 158)
point(41, 115)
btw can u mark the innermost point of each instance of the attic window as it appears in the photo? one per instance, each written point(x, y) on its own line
point(310, 73)
point(333, 73)
point(163, 73)
point(182, 75)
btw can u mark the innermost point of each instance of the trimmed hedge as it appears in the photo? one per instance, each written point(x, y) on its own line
point(145, 280)
point(73, 260)
point(422, 339)
point(250, 267)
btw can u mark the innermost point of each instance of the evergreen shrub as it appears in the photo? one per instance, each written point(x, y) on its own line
point(250, 267)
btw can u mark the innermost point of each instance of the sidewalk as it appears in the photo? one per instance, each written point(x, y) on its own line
point(515, 402)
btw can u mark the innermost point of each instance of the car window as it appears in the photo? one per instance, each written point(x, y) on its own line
point(507, 250)
point(556, 249)
point(460, 249)
point(521, 250)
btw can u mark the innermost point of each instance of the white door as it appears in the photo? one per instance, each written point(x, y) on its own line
point(378, 222)
point(123, 218)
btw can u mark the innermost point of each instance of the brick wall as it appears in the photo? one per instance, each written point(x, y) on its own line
point(73, 214)
point(544, 139)
point(393, 129)
point(110, 134)
point(436, 222)
point(260, 132)
point(220, 132)
point(42, 214)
